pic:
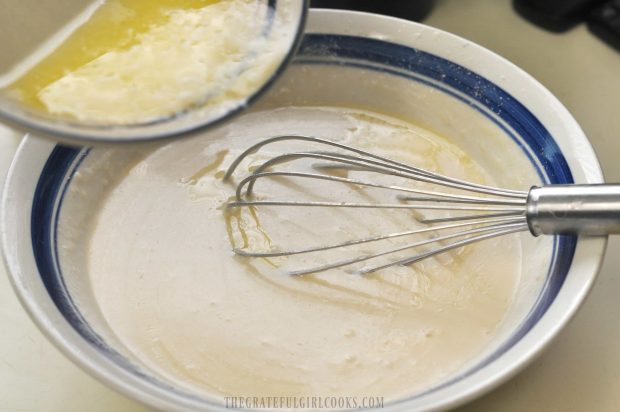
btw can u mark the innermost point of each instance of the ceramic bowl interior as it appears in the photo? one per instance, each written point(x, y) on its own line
point(507, 121)
point(288, 15)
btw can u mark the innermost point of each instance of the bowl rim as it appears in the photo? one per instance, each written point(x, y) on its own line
point(77, 134)
point(586, 263)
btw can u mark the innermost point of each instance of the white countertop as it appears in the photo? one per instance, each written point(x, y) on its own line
point(580, 371)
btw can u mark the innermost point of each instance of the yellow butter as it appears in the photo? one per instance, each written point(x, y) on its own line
point(136, 61)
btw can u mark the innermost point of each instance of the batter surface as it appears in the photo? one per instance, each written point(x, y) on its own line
point(167, 283)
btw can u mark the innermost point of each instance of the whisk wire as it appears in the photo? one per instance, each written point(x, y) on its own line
point(493, 211)
point(243, 203)
point(489, 223)
point(433, 195)
point(458, 244)
point(381, 167)
point(256, 147)
point(493, 231)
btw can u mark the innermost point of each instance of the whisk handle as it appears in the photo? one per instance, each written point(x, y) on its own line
point(574, 209)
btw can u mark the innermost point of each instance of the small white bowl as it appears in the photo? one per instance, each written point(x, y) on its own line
point(506, 119)
point(288, 15)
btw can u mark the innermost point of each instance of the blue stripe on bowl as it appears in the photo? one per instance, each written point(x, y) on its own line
point(416, 63)
point(56, 176)
point(364, 54)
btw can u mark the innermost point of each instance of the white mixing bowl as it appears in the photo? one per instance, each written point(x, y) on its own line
point(509, 122)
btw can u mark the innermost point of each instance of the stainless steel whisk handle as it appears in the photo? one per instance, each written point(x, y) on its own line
point(574, 209)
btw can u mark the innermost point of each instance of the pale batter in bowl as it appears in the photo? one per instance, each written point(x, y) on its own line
point(159, 262)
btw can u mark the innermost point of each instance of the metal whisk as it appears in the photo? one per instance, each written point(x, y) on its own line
point(483, 212)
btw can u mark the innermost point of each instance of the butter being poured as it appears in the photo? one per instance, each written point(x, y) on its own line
point(135, 61)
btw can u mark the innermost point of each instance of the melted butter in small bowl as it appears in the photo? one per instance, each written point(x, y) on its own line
point(132, 66)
